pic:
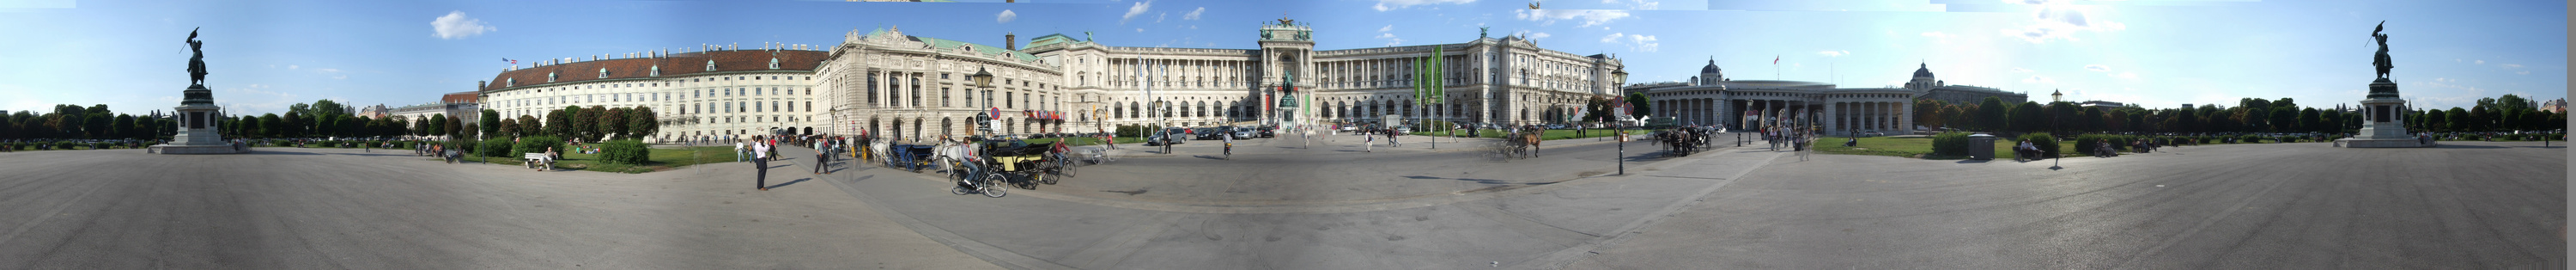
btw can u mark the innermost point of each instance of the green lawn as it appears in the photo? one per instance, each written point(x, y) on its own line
point(1915, 147)
point(661, 159)
point(1552, 134)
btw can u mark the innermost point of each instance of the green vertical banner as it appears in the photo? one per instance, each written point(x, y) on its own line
point(1439, 80)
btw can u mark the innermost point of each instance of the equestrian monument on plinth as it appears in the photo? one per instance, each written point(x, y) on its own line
point(197, 112)
point(2384, 116)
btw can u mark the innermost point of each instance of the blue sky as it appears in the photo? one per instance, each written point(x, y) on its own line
point(265, 55)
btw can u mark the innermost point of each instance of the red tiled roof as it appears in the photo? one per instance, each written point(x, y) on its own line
point(462, 97)
point(679, 64)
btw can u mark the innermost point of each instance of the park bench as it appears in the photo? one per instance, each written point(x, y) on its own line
point(536, 160)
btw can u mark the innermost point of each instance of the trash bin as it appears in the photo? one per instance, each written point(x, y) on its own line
point(1981, 147)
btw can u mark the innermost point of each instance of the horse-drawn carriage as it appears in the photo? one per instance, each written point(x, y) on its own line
point(1520, 143)
point(1040, 163)
point(1682, 141)
point(909, 157)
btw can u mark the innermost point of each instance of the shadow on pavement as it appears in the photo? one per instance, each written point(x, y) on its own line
point(798, 180)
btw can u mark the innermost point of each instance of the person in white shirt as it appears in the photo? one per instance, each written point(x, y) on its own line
point(761, 162)
point(738, 154)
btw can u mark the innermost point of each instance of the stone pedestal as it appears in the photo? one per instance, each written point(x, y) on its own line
point(197, 126)
point(2383, 122)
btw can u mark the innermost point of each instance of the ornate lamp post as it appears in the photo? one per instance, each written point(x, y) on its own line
point(984, 80)
point(1619, 77)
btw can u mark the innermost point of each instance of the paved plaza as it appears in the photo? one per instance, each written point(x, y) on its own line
point(1282, 204)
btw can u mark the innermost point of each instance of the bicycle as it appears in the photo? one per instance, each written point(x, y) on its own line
point(982, 180)
point(1229, 151)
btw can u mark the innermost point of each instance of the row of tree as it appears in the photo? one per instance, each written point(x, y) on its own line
point(2507, 113)
point(326, 118)
point(587, 124)
point(68, 121)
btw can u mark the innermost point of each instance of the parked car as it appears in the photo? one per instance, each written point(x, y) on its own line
point(1205, 133)
point(1267, 132)
point(1241, 133)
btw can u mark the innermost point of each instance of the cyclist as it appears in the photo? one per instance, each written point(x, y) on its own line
point(1229, 146)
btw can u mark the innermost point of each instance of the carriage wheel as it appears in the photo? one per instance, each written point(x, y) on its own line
point(993, 186)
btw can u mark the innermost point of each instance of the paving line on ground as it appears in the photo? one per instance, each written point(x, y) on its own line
point(1561, 258)
point(2204, 224)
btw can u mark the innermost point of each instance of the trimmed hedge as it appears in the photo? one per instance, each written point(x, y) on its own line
point(538, 144)
point(495, 148)
point(2047, 144)
point(625, 152)
point(1950, 144)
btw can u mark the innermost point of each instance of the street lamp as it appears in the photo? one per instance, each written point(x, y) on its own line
point(1619, 77)
point(984, 80)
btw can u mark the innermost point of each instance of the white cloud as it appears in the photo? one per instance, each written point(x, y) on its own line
point(1140, 30)
point(1138, 9)
point(327, 70)
point(1006, 16)
point(1158, 17)
point(1590, 17)
point(1833, 53)
point(2511, 66)
point(2059, 20)
point(2525, 72)
point(455, 26)
point(2038, 79)
point(1194, 14)
point(2482, 62)
point(1938, 35)
point(1640, 43)
point(1385, 5)
point(1389, 27)
point(2020, 70)
point(290, 66)
point(2126, 75)
point(1386, 35)
point(1538, 35)
point(2097, 68)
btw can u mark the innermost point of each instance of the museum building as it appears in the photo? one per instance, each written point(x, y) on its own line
point(709, 93)
point(1712, 99)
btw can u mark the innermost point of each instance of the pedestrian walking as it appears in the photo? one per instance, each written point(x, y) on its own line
point(1368, 144)
point(739, 155)
point(823, 158)
point(760, 164)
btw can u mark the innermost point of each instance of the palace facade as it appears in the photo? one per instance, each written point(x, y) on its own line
point(1711, 99)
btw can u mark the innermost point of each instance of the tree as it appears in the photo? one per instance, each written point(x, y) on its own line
point(1639, 104)
point(272, 126)
point(2308, 121)
point(585, 122)
point(95, 125)
point(2481, 119)
point(437, 125)
point(613, 123)
point(2457, 120)
point(1927, 112)
point(454, 127)
point(122, 127)
point(490, 120)
point(326, 106)
point(528, 126)
point(1990, 114)
point(645, 123)
point(559, 123)
point(2060, 117)
point(509, 127)
point(2284, 120)
point(2026, 117)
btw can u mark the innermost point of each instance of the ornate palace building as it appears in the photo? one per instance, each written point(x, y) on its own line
point(710, 93)
point(1712, 99)
point(886, 82)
